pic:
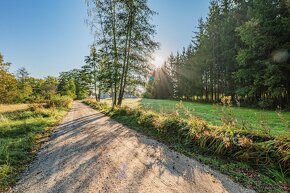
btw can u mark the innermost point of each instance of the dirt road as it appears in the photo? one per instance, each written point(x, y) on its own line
point(90, 152)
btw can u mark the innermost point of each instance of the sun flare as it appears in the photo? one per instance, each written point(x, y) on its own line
point(157, 61)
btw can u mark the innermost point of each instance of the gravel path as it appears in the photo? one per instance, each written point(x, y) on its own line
point(90, 152)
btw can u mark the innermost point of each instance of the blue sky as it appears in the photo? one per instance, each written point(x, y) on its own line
point(50, 36)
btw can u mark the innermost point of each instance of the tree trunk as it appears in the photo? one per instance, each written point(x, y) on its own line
point(96, 95)
point(206, 86)
point(127, 62)
point(126, 50)
point(99, 94)
point(115, 73)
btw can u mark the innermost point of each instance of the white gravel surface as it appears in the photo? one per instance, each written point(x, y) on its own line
point(90, 152)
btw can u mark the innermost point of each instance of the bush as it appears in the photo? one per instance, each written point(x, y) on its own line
point(60, 101)
point(96, 105)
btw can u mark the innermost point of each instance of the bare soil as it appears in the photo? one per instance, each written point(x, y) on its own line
point(89, 152)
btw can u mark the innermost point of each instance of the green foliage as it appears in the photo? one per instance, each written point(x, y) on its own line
point(67, 87)
point(99, 106)
point(95, 73)
point(49, 87)
point(74, 83)
point(60, 101)
point(21, 88)
point(8, 87)
point(24, 86)
point(20, 135)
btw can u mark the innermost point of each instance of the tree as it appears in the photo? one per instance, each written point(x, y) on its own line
point(73, 83)
point(23, 85)
point(8, 87)
point(92, 71)
point(49, 87)
point(262, 78)
point(159, 85)
point(125, 35)
point(8, 83)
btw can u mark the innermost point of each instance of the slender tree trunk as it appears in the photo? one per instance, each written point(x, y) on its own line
point(96, 95)
point(288, 95)
point(125, 74)
point(99, 94)
point(212, 84)
point(206, 86)
point(115, 72)
point(126, 50)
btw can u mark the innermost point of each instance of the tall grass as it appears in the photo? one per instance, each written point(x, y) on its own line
point(21, 133)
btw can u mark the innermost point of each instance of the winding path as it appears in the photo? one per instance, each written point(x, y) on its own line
point(90, 152)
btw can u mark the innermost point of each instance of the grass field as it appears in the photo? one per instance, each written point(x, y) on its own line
point(253, 119)
point(21, 131)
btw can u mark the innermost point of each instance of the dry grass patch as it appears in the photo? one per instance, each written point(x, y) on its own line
point(5, 108)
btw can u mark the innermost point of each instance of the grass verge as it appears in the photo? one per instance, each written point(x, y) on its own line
point(257, 161)
point(265, 121)
point(21, 133)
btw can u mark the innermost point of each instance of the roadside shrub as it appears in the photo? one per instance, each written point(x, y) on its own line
point(60, 101)
point(174, 125)
point(96, 105)
point(147, 119)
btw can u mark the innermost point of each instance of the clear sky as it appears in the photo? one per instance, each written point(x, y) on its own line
point(50, 36)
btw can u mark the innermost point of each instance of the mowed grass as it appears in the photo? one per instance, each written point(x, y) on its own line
point(21, 132)
point(256, 120)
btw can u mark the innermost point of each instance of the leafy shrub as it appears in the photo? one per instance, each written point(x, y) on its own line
point(60, 101)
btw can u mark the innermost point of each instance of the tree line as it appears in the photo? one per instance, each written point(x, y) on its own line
point(241, 49)
point(20, 87)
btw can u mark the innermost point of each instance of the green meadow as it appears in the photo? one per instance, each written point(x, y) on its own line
point(257, 120)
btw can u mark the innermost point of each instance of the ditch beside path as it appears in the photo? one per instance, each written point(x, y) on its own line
point(90, 152)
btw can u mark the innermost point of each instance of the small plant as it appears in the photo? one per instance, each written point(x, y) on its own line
point(227, 114)
point(3, 119)
point(264, 125)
